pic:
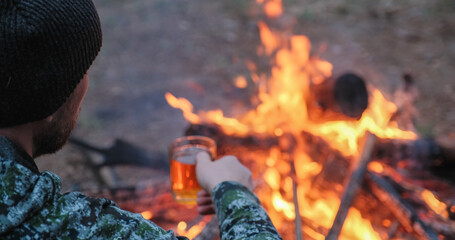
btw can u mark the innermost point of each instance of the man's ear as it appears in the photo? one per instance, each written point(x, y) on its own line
point(49, 119)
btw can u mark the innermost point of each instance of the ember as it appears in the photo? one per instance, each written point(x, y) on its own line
point(301, 170)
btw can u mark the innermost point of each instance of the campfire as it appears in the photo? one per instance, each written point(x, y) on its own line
point(330, 154)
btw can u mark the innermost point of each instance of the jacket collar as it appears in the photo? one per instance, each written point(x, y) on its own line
point(13, 151)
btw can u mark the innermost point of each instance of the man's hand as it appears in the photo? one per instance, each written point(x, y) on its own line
point(228, 168)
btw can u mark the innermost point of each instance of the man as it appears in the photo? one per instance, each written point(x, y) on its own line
point(46, 48)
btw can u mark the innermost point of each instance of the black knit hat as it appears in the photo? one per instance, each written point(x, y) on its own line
point(46, 47)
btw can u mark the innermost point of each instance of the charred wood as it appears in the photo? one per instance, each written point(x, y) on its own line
point(411, 192)
point(424, 154)
point(404, 213)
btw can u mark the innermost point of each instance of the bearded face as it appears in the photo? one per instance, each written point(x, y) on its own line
point(54, 133)
point(53, 137)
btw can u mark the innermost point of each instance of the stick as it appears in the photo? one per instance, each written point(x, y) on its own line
point(357, 174)
point(287, 145)
point(297, 219)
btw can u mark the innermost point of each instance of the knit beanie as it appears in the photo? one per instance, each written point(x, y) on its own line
point(46, 47)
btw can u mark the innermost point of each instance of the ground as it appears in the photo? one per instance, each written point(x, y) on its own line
point(194, 49)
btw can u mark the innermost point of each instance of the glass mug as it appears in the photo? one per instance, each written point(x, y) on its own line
point(182, 157)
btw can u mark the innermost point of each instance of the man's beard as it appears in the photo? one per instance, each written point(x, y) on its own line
point(53, 137)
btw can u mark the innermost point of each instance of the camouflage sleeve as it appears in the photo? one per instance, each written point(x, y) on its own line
point(240, 213)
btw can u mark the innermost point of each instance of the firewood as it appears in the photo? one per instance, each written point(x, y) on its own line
point(358, 170)
point(404, 213)
point(297, 219)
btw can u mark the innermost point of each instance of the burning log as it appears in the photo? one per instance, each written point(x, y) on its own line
point(342, 98)
point(434, 213)
point(354, 182)
point(404, 213)
point(434, 154)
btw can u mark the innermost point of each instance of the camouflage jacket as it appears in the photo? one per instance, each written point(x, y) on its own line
point(32, 207)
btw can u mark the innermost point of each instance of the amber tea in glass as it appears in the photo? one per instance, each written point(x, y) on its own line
point(182, 157)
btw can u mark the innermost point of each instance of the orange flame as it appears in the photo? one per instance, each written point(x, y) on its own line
point(192, 232)
point(240, 82)
point(437, 206)
point(268, 39)
point(321, 210)
point(282, 105)
point(375, 167)
point(282, 109)
point(273, 8)
point(183, 104)
point(147, 215)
